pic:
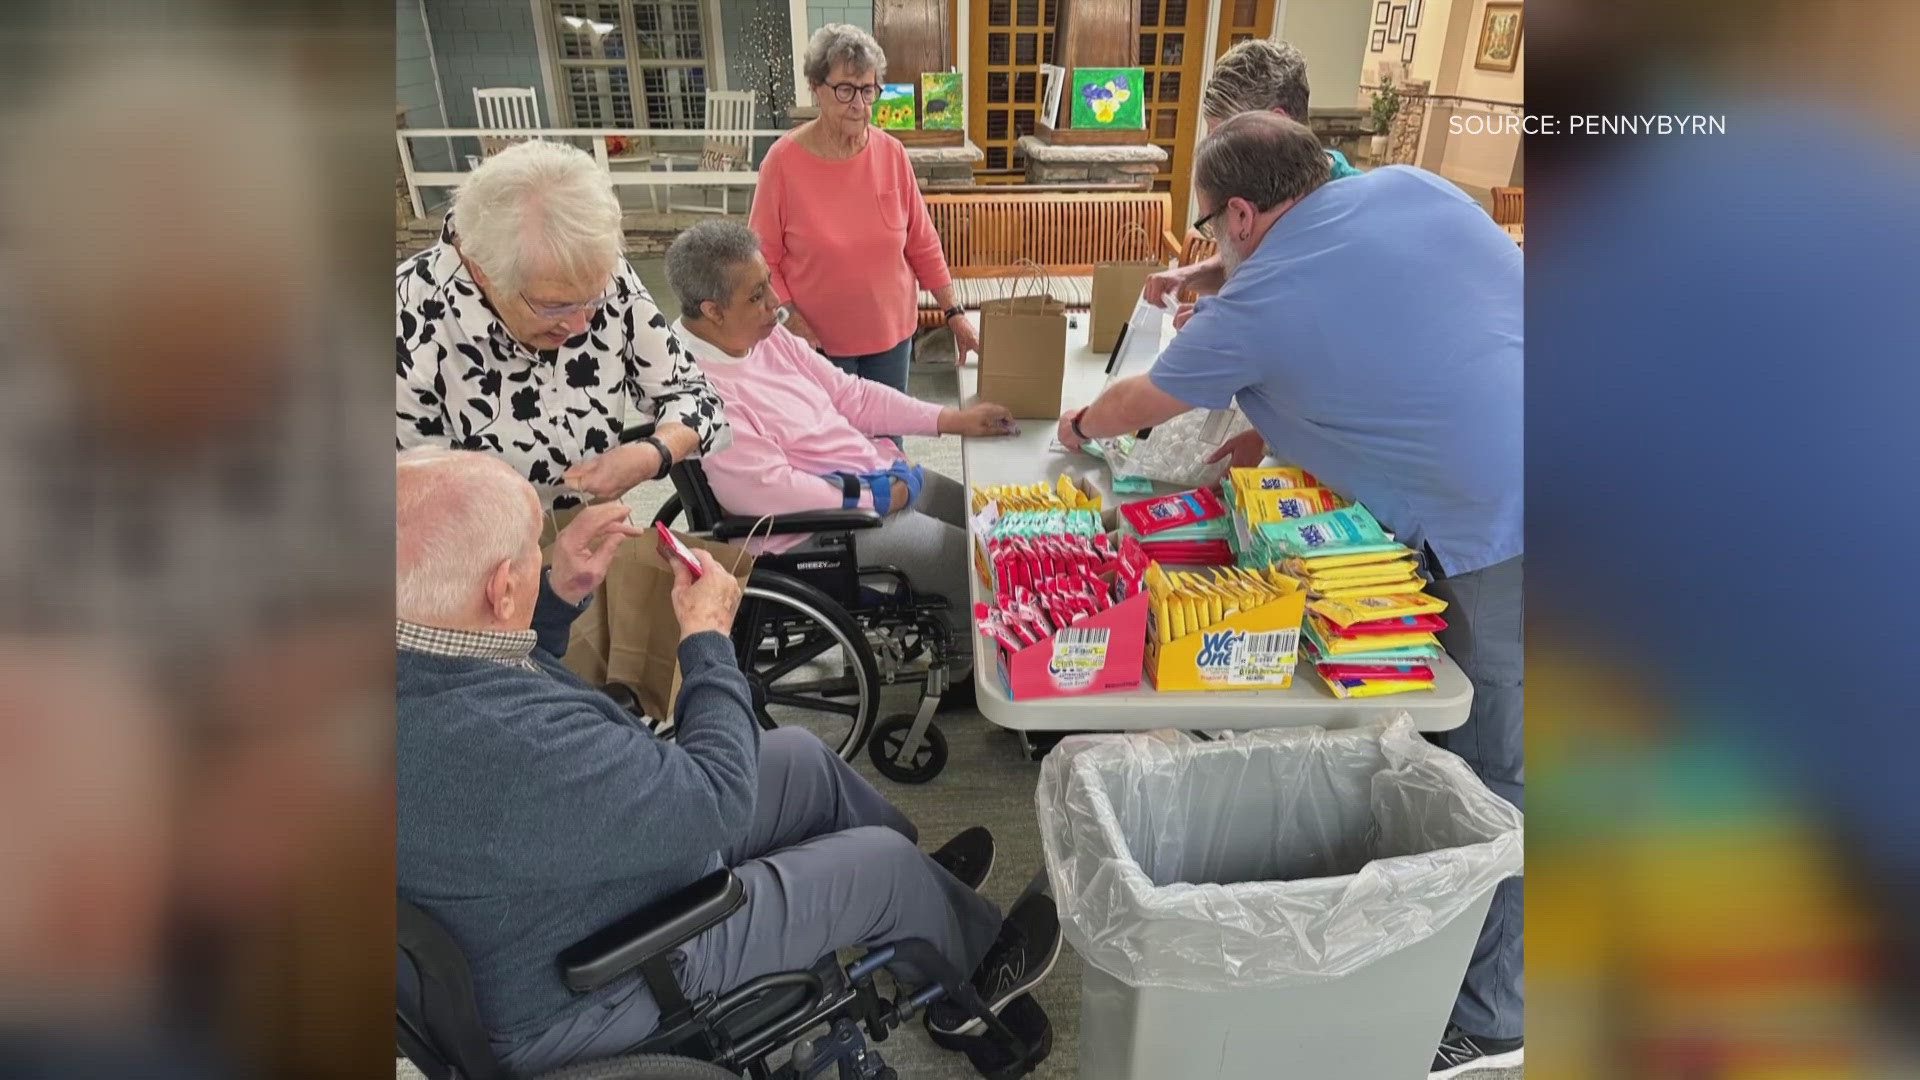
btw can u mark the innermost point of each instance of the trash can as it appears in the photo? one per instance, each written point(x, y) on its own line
point(1289, 903)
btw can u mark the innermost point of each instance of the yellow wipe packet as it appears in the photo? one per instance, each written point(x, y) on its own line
point(1287, 503)
point(1396, 569)
point(1378, 588)
point(1350, 610)
point(1322, 563)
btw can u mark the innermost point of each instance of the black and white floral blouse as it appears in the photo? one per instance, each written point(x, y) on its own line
point(465, 383)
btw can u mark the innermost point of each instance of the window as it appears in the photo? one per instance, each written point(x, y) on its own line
point(631, 63)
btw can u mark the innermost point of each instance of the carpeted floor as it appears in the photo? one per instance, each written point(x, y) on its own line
point(988, 781)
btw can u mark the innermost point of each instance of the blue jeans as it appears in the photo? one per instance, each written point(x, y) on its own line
point(1484, 636)
point(888, 368)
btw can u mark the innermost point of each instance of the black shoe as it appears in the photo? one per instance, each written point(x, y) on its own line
point(1021, 956)
point(1461, 1053)
point(968, 856)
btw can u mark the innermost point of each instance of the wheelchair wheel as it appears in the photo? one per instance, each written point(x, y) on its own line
point(806, 660)
point(669, 511)
point(891, 737)
point(643, 1067)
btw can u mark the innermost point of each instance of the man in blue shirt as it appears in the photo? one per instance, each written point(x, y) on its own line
point(1372, 332)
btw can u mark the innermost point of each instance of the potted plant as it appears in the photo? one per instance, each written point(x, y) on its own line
point(1386, 104)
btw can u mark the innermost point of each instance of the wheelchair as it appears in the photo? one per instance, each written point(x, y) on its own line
point(719, 1037)
point(818, 635)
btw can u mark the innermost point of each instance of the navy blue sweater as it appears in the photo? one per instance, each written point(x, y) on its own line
point(533, 810)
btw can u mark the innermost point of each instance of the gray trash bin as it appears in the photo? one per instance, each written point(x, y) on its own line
point(1289, 903)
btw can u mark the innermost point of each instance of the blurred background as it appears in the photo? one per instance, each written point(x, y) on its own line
point(195, 720)
point(1724, 839)
point(196, 823)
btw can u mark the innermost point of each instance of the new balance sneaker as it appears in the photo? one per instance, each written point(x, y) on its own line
point(1461, 1053)
point(1023, 954)
point(968, 856)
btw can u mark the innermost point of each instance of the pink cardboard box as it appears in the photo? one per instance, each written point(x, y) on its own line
point(1099, 653)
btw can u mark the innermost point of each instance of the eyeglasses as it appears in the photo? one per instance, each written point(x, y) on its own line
point(1205, 225)
point(844, 92)
point(561, 311)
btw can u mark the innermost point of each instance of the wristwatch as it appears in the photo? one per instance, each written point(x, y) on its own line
point(1074, 423)
point(666, 455)
point(955, 312)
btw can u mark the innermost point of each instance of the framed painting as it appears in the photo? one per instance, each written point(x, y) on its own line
point(1380, 12)
point(1379, 41)
point(893, 109)
point(1499, 48)
point(1413, 13)
point(1108, 98)
point(1406, 48)
point(943, 101)
point(1396, 24)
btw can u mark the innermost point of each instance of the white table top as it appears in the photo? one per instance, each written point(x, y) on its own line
point(1026, 458)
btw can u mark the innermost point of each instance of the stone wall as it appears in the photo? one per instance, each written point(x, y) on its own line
point(1403, 139)
point(1096, 166)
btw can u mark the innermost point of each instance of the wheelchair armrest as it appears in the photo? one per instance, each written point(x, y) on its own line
point(735, 526)
point(614, 950)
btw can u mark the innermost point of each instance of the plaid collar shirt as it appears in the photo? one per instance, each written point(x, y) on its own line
point(513, 648)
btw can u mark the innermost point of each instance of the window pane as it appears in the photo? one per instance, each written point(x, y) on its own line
point(1028, 13)
point(1026, 87)
point(1149, 12)
point(588, 31)
point(997, 87)
point(1176, 13)
point(997, 49)
point(1023, 121)
point(996, 157)
point(1244, 12)
point(599, 97)
point(1026, 49)
point(1149, 47)
point(1169, 87)
point(668, 30)
point(675, 97)
point(996, 123)
point(999, 13)
point(1172, 48)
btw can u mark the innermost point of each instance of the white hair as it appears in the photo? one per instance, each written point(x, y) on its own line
point(460, 514)
point(846, 44)
point(539, 208)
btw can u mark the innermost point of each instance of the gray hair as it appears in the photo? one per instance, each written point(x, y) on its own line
point(701, 260)
point(459, 515)
point(539, 207)
point(1262, 157)
point(1257, 76)
point(842, 43)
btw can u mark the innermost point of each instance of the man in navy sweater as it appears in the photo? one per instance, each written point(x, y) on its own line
point(533, 810)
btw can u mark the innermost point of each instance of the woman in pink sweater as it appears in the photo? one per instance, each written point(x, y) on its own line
point(807, 436)
point(843, 227)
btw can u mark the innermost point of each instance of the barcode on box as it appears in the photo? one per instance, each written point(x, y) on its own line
point(1074, 635)
point(1272, 643)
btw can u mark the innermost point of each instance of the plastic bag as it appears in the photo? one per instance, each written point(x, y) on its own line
point(1276, 858)
point(1176, 452)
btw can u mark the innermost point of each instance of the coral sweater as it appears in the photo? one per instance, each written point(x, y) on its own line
point(847, 241)
point(797, 418)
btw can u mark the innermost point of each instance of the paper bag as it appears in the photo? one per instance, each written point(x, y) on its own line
point(1023, 354)
point(630, 635)
point(1116, 288)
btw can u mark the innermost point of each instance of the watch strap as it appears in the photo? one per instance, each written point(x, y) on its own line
point(666, 455)
point(954, 311)
point(1075, 425)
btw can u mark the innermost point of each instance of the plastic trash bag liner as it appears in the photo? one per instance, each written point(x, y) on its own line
point(1275, 858)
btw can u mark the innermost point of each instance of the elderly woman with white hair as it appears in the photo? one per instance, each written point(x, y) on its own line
point(524, 332)
point(842, 224)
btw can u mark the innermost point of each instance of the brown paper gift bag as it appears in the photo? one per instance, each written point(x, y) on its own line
point(635, 638)
point(1116, 289)
point(1023, 350)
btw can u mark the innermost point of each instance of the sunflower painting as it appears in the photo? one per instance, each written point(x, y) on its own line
point(893, 109)
point(1108, 98)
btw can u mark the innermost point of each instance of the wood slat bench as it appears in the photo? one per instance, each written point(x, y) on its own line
point(985, 235)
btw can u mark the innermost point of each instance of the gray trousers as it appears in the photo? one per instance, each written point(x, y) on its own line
point(928, 541)
point(828, 864)
point(1485, 635)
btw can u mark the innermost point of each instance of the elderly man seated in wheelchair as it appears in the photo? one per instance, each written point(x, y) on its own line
point(534, 811)
point(808, 436)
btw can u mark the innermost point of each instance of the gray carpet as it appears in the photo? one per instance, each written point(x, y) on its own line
point(988, 781)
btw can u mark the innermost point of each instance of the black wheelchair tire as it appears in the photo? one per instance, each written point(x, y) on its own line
point(669, 511)
point(797, 595)
point(643, 1067)
point(891, 734)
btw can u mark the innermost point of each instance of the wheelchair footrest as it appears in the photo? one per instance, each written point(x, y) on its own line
point(992, 1057)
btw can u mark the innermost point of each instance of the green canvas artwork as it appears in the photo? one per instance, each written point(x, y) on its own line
point(943, 101)
point(893, 109)
point(1108, 98)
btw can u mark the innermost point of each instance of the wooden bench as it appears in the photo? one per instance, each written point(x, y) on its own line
point(985, 235)
point(1510, 205)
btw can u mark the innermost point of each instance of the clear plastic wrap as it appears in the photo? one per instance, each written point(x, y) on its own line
point(1275, 858)
point(1176, 452)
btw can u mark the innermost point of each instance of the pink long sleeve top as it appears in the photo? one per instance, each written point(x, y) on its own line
point(796, 418)
point(849, 242)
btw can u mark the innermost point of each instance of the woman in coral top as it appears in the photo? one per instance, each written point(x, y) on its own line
point(842, 225)
point(807, 436)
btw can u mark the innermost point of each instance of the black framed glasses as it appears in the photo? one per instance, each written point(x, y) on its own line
point(1205, 225)
point(844, 92)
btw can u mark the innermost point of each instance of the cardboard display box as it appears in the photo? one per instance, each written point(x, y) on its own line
point(1249, 650)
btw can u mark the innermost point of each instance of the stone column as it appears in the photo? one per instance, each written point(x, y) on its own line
point(1094, 166)
point(1403, 139)
point(939, 167)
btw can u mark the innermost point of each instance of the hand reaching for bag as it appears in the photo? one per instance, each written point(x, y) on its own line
point(584, 549)
point(978, 420)
point(707, 603)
